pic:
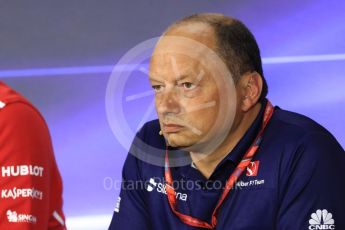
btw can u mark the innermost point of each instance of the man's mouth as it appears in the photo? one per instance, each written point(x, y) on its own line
point(171, 128)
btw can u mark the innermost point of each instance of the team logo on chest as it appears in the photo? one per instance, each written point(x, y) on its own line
point(253, 168)
point(154, 184)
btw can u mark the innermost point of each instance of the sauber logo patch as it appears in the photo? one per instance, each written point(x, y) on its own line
point(253, 168)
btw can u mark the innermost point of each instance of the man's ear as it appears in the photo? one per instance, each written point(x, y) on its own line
point(250, 90)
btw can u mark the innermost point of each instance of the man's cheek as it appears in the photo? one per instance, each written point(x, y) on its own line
point(201, 122)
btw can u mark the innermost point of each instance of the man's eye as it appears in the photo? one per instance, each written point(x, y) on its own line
point(188, 85)
point(157, 88)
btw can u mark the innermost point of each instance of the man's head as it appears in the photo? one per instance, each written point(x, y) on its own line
point(191, 91)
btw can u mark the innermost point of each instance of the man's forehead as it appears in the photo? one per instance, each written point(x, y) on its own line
point(185, 48)
point(179, 65)
point(183, 61)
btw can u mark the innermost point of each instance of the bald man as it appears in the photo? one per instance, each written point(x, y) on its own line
point(222, 156)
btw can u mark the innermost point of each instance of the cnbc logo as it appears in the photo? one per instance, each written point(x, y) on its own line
point(321, 219)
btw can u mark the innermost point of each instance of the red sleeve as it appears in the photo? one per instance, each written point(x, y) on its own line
point(31, 187)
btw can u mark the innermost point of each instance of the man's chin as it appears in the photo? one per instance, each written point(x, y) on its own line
point(179, 142)
point(189, 146)
point(182, 143)
point(178, 145)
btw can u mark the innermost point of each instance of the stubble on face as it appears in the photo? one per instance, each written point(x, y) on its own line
point(195, 110)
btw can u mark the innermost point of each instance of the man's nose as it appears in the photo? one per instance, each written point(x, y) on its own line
point(168, 102)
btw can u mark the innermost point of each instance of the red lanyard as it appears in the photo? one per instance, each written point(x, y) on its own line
point(241, 167)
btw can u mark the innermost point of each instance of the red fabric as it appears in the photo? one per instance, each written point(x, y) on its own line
point(31, 185)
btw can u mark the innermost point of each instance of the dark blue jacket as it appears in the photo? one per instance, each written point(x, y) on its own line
point(300, 181)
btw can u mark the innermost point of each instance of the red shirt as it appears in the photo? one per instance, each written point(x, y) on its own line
point(30, 182)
